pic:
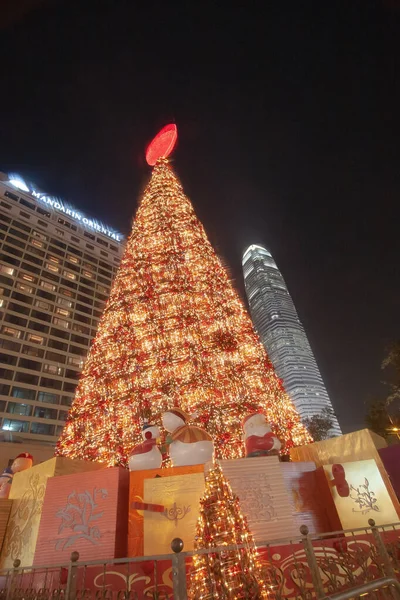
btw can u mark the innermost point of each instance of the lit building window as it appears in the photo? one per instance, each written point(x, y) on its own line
point(24, 393)
point(63, 312)
point(52, 268)
point(37, 243)
point(39, 235)
point(15, 425)
point(73, 259)
point(24, 288)
point(61, 323)
point(17, 408)
point(53, 369)
point(69, 275)
point(43, 412)
point(75, 361)
point(42, 428)
point(42, 304)
point(7, 270)
point(66, 292)
point(47, 286)
point(66, 400)
point(88, 266)
point(11, 331)
point(64, 222)
point(54, 259)
point(48, 398)
point(36, 339)
point(64, 302)
point(27, 277)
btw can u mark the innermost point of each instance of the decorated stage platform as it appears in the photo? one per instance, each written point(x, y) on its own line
point(119, 521)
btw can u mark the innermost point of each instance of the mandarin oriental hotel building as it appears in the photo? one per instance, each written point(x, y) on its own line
point(56, 271)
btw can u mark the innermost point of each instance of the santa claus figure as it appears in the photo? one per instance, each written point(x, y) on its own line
point(258, 436)
point(21, 463)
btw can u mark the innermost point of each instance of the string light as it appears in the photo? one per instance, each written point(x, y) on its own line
point(173, 333)
point(232, 574)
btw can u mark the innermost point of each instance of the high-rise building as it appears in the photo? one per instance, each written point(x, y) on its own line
point(56, 269)
point(279, 327)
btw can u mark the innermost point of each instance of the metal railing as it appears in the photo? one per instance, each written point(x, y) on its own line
point(333, 566)
point(363, 590)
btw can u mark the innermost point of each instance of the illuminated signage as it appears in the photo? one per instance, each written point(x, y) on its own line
point(68, 210)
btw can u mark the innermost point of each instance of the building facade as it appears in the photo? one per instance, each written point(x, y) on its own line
point(279, 327)
point(56, 271)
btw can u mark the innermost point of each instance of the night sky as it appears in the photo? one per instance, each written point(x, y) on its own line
point(289, 128)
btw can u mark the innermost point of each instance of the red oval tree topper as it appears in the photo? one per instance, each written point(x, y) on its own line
point(162, 145)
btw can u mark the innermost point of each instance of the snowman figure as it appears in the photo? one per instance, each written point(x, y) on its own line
point(147, 454)
point(21, 463)
point(189, 444)
point(5, 482)
point(258, 437)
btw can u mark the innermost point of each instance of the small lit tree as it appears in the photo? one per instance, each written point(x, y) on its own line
point(378, 419)
point(319, 425)
point(232, 574)
point(392, 360)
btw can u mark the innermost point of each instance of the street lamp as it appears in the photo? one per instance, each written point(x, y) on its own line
point(395, 430)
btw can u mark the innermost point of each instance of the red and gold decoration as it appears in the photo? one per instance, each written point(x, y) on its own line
point(174, 333)
point(358, 493)
point(162, 145)
point(264, 501)
point(163, 505)
point(27, 494)
point(5, 510)
point(236, 572)
point(339, 481)
point(355, 446)
point(308, 506)
point(84, 512)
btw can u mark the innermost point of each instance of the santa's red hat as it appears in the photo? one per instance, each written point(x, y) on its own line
point(24, 455)
point(254, 414)
point(178, 412)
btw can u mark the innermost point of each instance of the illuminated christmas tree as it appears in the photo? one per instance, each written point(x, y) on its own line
point(236, 572)
point(173, 333)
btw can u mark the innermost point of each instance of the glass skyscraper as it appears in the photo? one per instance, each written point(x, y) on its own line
point(279, 327)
